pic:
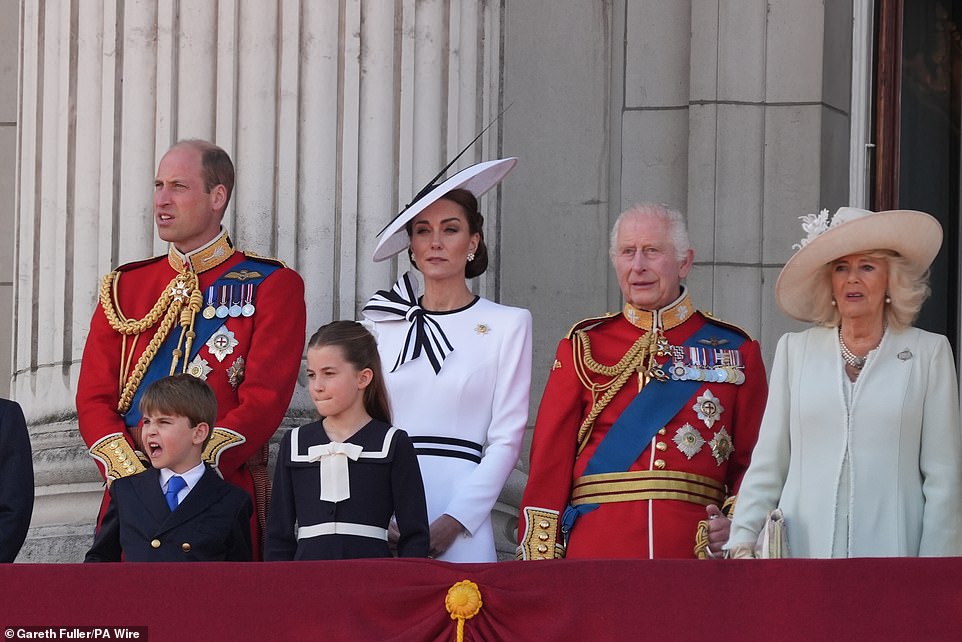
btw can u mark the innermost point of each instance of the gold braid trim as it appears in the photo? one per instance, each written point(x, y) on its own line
point(540, 540)
point(183, 287)
point(701, 534)
point(701, 541)
point(116, 456)
point(220, 440)
point(728, 508)
point(187, 316)
point(621, 372)
point(108, 296)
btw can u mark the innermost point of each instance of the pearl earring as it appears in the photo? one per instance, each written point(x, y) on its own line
point(833, 303)
point(888, 299)
point(470, 256)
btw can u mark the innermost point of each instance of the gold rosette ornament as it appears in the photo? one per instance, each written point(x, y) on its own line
point(463, 602)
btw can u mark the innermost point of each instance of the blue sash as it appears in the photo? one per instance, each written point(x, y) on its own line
point(647, 413)
point(203, 328)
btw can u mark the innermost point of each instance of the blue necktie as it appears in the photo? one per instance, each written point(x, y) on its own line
point(174, 485)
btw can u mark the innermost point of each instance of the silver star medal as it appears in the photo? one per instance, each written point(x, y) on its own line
point(222, 343)
point(709, 408)
point(688, 440)
point(199, 368)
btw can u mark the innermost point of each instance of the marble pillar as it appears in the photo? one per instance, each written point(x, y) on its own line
point(335, 113)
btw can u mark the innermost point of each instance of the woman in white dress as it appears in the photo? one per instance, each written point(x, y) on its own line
point(457, 366)
point(860, 446)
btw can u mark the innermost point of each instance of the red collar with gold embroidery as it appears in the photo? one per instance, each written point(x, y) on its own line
point(203, 258)
point(666, 318)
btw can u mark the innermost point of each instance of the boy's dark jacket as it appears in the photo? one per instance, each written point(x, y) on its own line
point(211, 524)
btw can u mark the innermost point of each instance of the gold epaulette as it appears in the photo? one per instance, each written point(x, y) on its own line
point(265, 259)
point(540, 541)
point(116, 456)
point(726, 324)
point(591, 322)
point(220, 440)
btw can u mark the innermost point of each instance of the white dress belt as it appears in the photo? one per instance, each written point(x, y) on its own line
point(342, 528)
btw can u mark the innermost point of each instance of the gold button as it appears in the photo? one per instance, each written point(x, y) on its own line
point(114, 444)
point(122, 457)
point(543, 537)
point(659, 463)
point(661, 432)
point(662, 446)
point(155, 543)
point(185, 547)
point(544, 523)
point(542, 548)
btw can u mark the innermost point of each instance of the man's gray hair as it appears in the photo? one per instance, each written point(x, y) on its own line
point(677, 228)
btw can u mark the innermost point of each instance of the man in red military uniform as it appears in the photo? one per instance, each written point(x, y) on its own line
point(229, 318)
point(649, 417)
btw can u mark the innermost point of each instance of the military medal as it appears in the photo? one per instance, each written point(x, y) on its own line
point(708, 407)
point(235, 308)
point(199, 368)
point(222, 309)
point(721, 446)
point(222, 343)
point(210, 311)
point(235, 374)
point(180, 291)
point(248, 309)
point(688, 440)
point(712, 365)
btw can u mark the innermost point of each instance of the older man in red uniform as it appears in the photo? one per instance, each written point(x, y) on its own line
point(649, 417)
point(230, 318)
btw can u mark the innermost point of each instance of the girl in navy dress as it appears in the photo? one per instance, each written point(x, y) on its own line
point(339, 481)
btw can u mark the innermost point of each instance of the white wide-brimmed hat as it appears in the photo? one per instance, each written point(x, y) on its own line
point(477, 179)
point(916, 236)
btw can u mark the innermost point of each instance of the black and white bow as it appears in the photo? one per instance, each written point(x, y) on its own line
point(425, 334)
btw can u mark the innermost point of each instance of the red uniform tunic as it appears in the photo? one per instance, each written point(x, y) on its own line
point(253, 383)
point(713, 441)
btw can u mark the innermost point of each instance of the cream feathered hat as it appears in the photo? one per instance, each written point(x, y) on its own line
point(916, 236)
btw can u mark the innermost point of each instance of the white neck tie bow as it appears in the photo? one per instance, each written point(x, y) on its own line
point(335, 479)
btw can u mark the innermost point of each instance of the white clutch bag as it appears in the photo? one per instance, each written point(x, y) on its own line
point(773, 540)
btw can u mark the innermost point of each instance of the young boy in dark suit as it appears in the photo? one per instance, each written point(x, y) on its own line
point(179, 510)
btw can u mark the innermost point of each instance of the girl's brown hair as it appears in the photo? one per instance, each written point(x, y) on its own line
point(360, 350)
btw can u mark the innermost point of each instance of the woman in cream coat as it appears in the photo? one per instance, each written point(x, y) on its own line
point(860, 446)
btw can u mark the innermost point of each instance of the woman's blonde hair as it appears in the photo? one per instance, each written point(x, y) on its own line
point(908, 288)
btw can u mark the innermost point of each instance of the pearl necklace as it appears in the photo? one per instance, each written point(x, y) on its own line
point(850, 358)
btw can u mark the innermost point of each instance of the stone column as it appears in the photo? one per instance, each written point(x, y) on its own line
point(9, 39)
point(334, 114)
point(769, 131)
